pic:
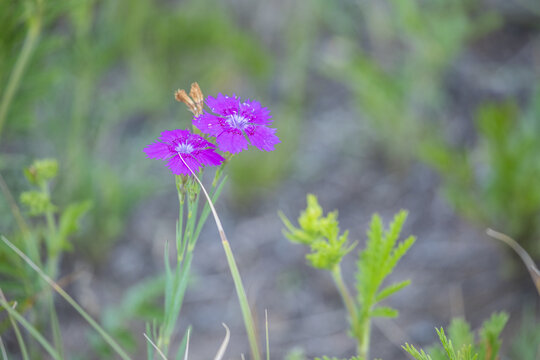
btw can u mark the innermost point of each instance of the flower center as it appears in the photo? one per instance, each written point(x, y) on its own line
point(183, 148)
point(236, 121)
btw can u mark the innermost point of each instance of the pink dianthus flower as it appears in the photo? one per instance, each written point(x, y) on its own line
point(193, 148)
point(237, 123)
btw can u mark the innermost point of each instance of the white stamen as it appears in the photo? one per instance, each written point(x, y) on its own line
point(236, 121)
point(183, 148)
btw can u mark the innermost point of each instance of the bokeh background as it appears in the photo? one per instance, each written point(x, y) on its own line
point(431, 106)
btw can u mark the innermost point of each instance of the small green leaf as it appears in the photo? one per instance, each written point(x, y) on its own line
point(391, 289)
point(384, 311)
point(70, 218)
point(489, 335)
point(460, 333)
point(447, 344)
point(418, 355)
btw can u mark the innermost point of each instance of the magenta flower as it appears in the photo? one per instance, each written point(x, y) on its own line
point(194, 149)
point(237, 122)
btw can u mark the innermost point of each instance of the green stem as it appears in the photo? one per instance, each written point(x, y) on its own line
point(53, 252)
point(363, 338)
point(18, 335)
point(246, 311)
point(242, 298)
point(361, 326)
point(55, 326)
point(363, 335)
point(30, 42)
point(108, 339)
point(344, 292)
point(35, 334)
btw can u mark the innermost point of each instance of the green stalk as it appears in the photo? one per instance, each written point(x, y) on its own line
point(345, 294)
point(52, 270)
point(242, 298)
point(30, 328)
point(364, 336)
point(360, 327)
point(363, 343)
point(30, 42)
point(18, 335)
point(55, 326)
point(108, 339)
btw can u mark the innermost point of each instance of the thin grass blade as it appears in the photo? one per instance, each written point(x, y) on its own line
point(3, 350)
point(70, 300)
point(224, 344)
point(155, 347)
point(182, 348)
point(267, 334)
point(18, 335)
point(187, 345)
point(525, 257)
point(33, 332)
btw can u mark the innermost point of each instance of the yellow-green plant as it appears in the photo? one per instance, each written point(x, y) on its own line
point(375, 262)
point(460, 343)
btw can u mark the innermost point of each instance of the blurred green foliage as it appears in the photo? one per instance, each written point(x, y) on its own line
point(460, 343)
point(526, 343)
point(375, 263)
point(495, 182)
point(398, 78)
point(397, 74)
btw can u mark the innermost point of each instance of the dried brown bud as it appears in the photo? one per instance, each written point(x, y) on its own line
point(194, 103)
point(197, 96)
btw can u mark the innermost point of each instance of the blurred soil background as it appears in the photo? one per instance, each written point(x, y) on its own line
point(378, 105)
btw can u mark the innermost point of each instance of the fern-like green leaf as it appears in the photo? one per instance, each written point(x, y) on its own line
point(489, 336)
point(460, 333)
point(384, 311)
point(398, 253)
point(378, 260)
point(391, 289)
point(447, 344)
point(418, 355)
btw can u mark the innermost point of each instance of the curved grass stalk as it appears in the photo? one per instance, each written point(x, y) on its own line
point(224, 344)
point(242, 298)
point(525, 257)
point(54, 354)
point(155, 347)
point(108, 339)
point(187, 345)
point(18, 335)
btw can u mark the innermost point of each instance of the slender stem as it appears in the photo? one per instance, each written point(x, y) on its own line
point(242, 298)
point(363, 340)
point(30, 329)
point(70, 300)
point(344, 292)
point(53, 250)
point(18, 335)
point(244, 305)
point(3, 350)
point(55, 326)
point(360, 326)
point(30, 42)
point(52, 246)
